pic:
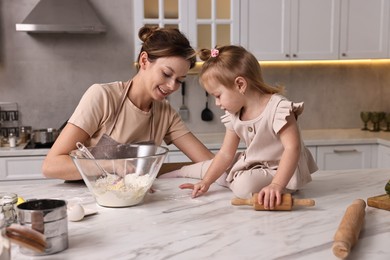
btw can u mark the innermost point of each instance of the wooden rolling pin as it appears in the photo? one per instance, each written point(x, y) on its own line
point(287, 202)
point(348, 231)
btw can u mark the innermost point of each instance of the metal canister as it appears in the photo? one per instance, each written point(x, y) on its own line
point(49, 217)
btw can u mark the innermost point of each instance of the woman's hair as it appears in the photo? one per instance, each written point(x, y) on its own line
point(165, 42)
point(226, 63)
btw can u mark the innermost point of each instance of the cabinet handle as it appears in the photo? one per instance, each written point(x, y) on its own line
point(345, 151)
point(287, 55)
point(294, 55)
point(344, 54)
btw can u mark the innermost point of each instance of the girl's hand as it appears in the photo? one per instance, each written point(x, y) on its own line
point(197, 189)
point(269, 195)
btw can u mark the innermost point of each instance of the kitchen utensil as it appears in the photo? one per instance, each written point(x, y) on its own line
point(27, 237)
point(49, 217)
point(287, 202)
point(45, 136)
point(89, 155)
point(380, 202)
point(183, 110)
point(136, 164)
point(348, 231)
point(207, 114)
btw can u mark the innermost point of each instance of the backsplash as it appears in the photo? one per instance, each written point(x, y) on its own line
point(47, 74)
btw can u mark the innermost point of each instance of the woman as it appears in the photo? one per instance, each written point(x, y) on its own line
point(133, 111)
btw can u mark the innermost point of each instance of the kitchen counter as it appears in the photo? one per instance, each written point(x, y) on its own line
point(315, 137)
point(171, 225)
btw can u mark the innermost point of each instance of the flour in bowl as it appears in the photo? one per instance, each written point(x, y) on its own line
point(114, 191)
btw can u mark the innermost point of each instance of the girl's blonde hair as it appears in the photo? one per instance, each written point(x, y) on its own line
point(226, 63)
point(165, 42)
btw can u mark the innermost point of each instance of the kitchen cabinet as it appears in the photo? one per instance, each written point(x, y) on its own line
point(364, 29)
point(315, 29)
point(342, 157)
point(177, 156)
point(291, 29)
point(313, 151)
point(383, 156)
point(21, 168)
point(206, 23)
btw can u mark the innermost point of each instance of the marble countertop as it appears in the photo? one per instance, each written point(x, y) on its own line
point(171, 225)
point(213, 141)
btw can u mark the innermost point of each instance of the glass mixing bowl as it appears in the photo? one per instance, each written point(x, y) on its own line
point(119, 175)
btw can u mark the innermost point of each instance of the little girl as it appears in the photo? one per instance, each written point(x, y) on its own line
point(275, 160)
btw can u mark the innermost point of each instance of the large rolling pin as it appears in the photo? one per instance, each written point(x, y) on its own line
point(348, 231)
point(287, 202)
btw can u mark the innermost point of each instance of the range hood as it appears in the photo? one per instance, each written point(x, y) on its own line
point(62, 16)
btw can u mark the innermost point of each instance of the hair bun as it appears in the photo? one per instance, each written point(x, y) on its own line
point(146, 32)
point(204, 54)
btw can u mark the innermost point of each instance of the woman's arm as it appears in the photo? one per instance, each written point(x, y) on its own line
point(58, 163)
point(193, 148)
point(290, 138)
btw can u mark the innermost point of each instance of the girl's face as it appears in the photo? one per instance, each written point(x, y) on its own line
point(164, 75)
point(226, 98)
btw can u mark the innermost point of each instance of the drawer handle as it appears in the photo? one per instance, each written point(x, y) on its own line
point(345, 151)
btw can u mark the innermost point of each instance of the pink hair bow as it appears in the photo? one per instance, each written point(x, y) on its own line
point(214, 53)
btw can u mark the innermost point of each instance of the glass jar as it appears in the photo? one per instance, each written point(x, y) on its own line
point(5, 244)
point(25, 134)
point(12, 140)
point(8, 203)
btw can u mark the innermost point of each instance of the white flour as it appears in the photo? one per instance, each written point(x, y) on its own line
point(113, 191)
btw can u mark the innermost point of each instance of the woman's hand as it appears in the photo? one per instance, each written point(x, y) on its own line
point(271, 196)
point(197, 189)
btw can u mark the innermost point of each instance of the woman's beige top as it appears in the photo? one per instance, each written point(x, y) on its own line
point(264, 148)
point(97, 108)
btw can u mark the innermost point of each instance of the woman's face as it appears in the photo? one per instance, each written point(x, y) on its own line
point(165, 75)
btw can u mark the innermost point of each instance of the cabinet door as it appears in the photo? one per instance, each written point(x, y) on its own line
point(206, 23)
point(21, 168)
point(265, 28)
point(291, 29)
point(213, 23)
point(383, 157)
point(343, 157)
point(174, 157)
point(315, 29)
point(364, 29)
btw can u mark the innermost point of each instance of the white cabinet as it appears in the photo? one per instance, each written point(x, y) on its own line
point(364, 29)
point(383, 156)
point(313, 151)
point(21, 168)
point(175, 156)
point(342, 157)
point(206, 23)
point(291, 29)
point(315, 29)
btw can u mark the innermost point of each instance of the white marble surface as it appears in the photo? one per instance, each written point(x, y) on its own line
point(171, 225)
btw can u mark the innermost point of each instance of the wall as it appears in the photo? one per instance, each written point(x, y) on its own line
point(46, 74)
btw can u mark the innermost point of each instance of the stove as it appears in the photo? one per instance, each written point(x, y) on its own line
point(31, 145)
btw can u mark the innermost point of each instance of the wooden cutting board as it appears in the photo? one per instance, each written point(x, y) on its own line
point(380, 202)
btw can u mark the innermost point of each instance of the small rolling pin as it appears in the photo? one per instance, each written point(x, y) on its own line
point(348, 231)
point(287, 202)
